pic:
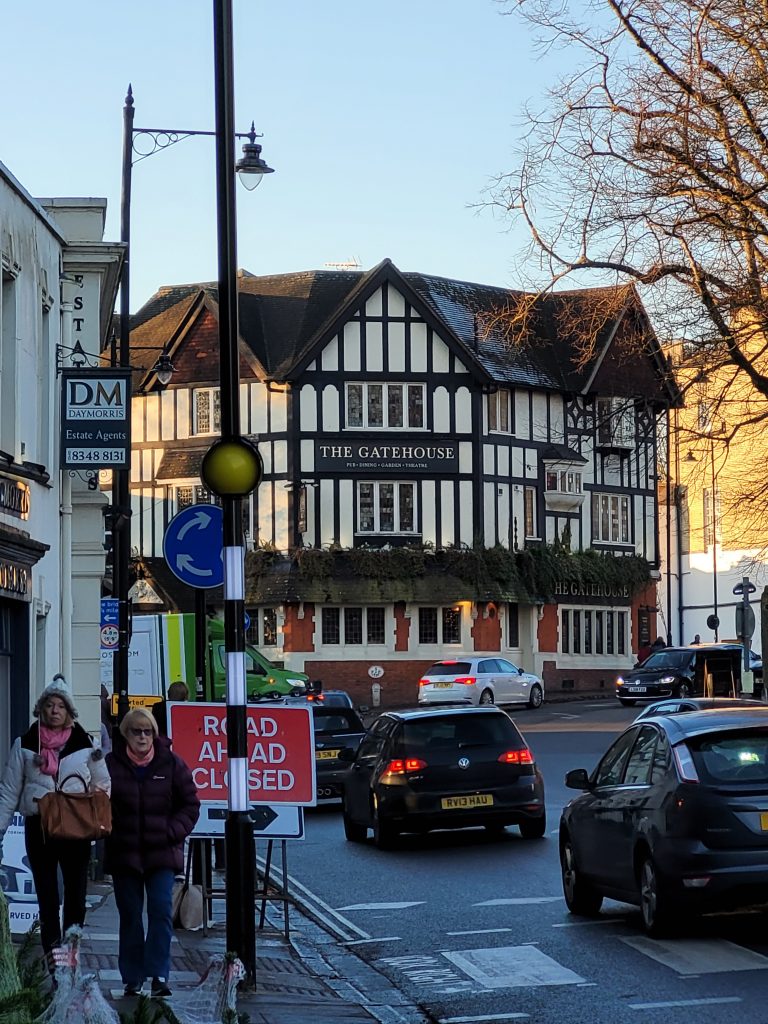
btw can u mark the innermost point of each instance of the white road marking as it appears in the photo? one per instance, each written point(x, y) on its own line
point(565, 716)
point(589, 924)
point(482, 931)
point(382, 906)
point(698, 956)
point(519, 901)
point(332, 919)
point(685, 1002)
point(383, 938)
point(498, 1017)
point(512, 967)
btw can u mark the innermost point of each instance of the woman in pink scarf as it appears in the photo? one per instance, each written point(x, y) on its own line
point(52, 749)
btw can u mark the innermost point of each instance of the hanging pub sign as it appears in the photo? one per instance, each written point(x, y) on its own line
point(95, 418)
point(387, 456)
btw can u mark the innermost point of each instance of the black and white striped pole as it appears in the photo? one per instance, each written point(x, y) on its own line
point(232, 468)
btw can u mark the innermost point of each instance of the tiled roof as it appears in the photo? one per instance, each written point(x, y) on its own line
point(283, 316)
point(179, 464)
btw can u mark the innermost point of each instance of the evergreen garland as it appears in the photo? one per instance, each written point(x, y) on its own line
point(533, 573)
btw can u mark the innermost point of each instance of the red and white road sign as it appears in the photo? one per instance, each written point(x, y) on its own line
point(281, 751)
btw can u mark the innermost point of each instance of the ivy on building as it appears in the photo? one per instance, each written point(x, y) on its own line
point(529, 575)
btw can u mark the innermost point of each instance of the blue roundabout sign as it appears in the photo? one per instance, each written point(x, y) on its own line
point(193, 546)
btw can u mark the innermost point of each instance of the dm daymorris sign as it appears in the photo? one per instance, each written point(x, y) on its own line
point(344, 454)
point(95, 418)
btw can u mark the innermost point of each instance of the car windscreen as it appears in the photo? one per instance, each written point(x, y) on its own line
point(342, 720)
point(449, 668)
point(458, 731)
point(668, 659)
point(734, 756)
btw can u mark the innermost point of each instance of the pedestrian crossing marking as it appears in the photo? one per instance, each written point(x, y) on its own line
point(519, 901)
point(512, 967)
point(698, 956)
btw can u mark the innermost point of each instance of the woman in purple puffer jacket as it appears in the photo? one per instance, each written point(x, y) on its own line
point(154, 809)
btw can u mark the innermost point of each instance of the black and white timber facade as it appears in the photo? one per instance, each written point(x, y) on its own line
point(398, 409)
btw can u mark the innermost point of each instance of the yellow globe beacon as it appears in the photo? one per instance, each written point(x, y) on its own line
point(232, 468)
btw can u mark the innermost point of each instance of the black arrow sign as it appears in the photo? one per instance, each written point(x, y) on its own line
point(262, 817)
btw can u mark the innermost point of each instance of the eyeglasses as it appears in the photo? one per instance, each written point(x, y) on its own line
point(141, 732)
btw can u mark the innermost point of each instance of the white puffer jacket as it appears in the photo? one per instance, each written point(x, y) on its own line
point(23, 783)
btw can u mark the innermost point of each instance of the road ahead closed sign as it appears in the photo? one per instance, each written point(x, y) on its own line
point(281, 749)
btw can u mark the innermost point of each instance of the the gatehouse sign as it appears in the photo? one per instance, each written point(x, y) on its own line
point(382, 456)
point(568, 588)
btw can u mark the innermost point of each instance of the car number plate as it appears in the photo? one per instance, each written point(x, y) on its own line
point(456, 803)
point(764, 821)
point(443, 686)
point(636, 689)
point(326, 755)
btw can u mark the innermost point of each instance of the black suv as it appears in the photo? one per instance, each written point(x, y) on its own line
point(442, 768)
point(699, 670)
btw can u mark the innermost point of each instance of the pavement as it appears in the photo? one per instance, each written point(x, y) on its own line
point(307, 977)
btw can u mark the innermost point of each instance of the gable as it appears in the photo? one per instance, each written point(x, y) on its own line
point(387, 334)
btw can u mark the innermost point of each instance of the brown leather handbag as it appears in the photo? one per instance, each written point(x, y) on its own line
point(86, 815)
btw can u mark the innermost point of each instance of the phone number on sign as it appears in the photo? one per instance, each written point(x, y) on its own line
point(106, 456)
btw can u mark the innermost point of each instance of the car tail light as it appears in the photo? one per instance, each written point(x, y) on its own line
point(685, 766)
point(465, 680)
point(424, 682)
point(523, 756)
point(401, 766)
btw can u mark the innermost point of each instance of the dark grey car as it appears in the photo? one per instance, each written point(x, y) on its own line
point(673, 819)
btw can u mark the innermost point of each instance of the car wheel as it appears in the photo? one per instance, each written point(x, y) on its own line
point(536, 696)
point(627, 703)
point(580, 897)
point(684, 690)
point(533, 828)
point(384, 833)
point(486, 697)
point(656, 906)
point(353, 832)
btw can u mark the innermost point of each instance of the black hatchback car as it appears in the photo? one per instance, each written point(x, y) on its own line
point(442, 767)
point(674, 819)
point(336, 729)
point(700, 670)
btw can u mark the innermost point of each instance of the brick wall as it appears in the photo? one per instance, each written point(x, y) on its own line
point(486, 632)
point(399, 684)
point(298, 634)
point(402, 627)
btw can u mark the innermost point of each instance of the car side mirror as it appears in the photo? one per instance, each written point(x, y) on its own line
point(519, 671)
point(577, 778)
point(346, 754)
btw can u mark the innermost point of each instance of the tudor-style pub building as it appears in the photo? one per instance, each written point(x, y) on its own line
point(402, 416)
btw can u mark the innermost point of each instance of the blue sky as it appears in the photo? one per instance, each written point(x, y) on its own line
point(384, 122)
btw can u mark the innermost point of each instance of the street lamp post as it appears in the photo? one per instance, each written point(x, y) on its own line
point(250, 168)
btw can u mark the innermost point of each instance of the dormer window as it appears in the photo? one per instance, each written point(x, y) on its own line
point(615, 422)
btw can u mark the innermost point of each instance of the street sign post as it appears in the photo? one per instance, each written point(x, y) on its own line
point(193, 545)
point(109, 634)
point(745, 628)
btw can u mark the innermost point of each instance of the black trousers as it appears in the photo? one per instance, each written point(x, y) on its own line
point(46, 856)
